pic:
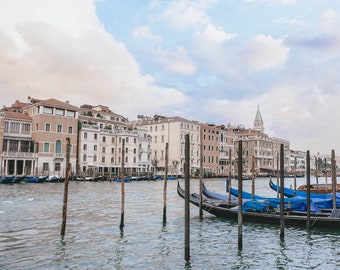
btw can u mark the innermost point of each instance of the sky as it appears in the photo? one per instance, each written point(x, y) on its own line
point(213, 61)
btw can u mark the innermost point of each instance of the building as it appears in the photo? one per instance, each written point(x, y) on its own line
point(101, 137)
point(260, 150)
point(53, 122)
point(172, 130)
point(218, 144)
point(18, 152)
point(34, 137)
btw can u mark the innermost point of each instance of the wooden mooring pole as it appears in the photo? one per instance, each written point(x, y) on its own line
point(187, 199)
point(201, 175)
point(229, 180)
point(294, 176)
point(308, 189)
point(67, 176)
point(334, 182)
point(282, 184)
point(252, 177)
point(239, 216)
point(165, 181)
point(121, 226)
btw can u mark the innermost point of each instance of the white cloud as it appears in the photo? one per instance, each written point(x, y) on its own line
point(264, 52)
point(60, 49)
point(212, 33)
point(176, 61)
point(144, 32)
point(294, 21)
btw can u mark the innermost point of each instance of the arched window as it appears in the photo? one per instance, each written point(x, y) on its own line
point(58, 147)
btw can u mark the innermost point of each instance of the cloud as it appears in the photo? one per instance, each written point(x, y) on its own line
point(294, 21)
point(264, 52)
point(176, 61)
point(212, 33)
point(51, 49)
point(144, 32)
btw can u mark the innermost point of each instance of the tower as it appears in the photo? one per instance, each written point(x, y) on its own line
point(258, 123)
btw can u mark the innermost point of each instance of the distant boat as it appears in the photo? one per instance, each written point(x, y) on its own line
point(126, 180)
point(170, 177)
point(7, 180)
point(36, 179)
point(320, 188)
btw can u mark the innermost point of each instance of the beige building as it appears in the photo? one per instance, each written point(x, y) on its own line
point(172, 130)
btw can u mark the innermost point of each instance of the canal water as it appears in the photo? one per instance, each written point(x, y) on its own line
point(30, 223)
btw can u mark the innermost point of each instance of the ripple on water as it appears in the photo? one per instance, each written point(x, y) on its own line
point(30, 232)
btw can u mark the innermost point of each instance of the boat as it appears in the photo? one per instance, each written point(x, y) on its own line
point(320, 188)
point(324, 201)
point(293, 204)
point(35, 179)
point(55, 179)
point(263, 213)
point(169, 177)
point(7, 180)
point(126, 180)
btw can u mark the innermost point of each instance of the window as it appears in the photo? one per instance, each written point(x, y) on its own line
point(113, 140)
point(58, 147)
point(48, 110)
point(95, 148)
point(25, 128)
point(95, 136)
point(84, 157)
point(59, 112)
point(85, 147)
point(104, 139)
point(46, 147)
point(70, 129)
point(6, 126)
point(103, 159)
point(112, 159)
point(112, 150)
point(135, 140)
point(15, 127)
point(57, 167)
point(71, 114)
point(85, 135)
point(95, 158)
point(59, 128)
point(47, 127)
point(135, 151)
point(127, 139)
point(45, 166)
point(103, 149)
point(162, 138)
point(36, 126)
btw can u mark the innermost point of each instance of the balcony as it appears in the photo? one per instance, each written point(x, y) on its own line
point(20, 154)
point(58, 156)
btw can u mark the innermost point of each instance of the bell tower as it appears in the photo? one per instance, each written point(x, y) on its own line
point(258, 123)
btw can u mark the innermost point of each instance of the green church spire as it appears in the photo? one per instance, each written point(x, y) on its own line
point(258, 123)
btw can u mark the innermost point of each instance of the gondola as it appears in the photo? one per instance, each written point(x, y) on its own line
point(324, 200)
point(38, 179)
point(223, 209)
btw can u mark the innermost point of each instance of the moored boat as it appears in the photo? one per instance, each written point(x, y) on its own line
point(320, 188)
point(263, 214)
point(35, 179)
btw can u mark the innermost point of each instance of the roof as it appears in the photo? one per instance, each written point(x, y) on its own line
point(17, 115)
point(258, 117)
point(55, 103)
